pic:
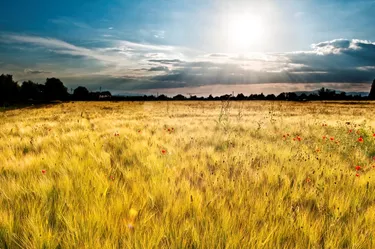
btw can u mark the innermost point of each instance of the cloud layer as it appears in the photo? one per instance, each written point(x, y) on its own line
point(128, 66)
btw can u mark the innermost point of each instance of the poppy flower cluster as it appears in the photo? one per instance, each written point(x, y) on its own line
point(116, 134)
point(298, 138)
point(170, 130)
point(285, 136)
point(357, 169)
point(324, 125)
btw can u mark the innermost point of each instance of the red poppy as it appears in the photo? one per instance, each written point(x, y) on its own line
point(373, 135)
point(139, 131)
point(360, 140)
point(294, 139)
point(299, 138)
point(357, 175)
point(308, 180)
point(169, 129)
point(350, 131)
point(163, 152)
point(357, 168)
point(332, 138)
point(324, 137)
point(44, 171)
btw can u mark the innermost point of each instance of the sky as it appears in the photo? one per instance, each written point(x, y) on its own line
point(195, 47)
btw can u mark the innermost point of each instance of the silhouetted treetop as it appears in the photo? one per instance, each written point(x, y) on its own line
point(372, 91)
point(81, 93)
point(9, 90)
point(32, 91)
point(55, 89)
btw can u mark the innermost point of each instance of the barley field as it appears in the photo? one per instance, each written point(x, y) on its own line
point(188, 175)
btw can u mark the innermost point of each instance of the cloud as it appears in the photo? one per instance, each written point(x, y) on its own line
point(126, 65)
point(340, 60)
point(217, 55)
point(31, 71)
point(166, 61)
point(69, 21)
point(122, 53)
point(158, 69)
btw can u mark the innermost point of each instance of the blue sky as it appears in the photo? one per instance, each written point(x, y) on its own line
point(179, 46)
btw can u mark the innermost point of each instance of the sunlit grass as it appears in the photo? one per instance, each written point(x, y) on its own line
point(188, 175)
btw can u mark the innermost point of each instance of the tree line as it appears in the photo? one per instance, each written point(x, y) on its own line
point(11, 92)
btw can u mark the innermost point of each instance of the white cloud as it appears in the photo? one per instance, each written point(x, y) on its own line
point(123, 54)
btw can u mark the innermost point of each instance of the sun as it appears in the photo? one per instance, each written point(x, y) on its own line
point(245, 31)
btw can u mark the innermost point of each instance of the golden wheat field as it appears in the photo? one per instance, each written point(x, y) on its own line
point(188, 175)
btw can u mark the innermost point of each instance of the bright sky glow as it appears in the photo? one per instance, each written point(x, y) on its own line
point(245, 31)
point(146, 45)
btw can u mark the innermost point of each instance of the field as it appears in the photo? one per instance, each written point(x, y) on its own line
point(188, 175)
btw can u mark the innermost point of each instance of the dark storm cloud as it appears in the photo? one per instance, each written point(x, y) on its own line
point(158, 69)
point(30, 71)
point(332, 61)
point(337, 54)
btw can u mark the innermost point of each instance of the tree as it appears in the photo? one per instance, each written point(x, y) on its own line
point(9, 90)
point(55, 89)
point(372, 92)
point(291, 96)
point(326, 94)
point(281, 96)
point(240, 96)
point(31, 90)
point(81, 93)
point(270, 97)
point(179, 97)
point(162, 97)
